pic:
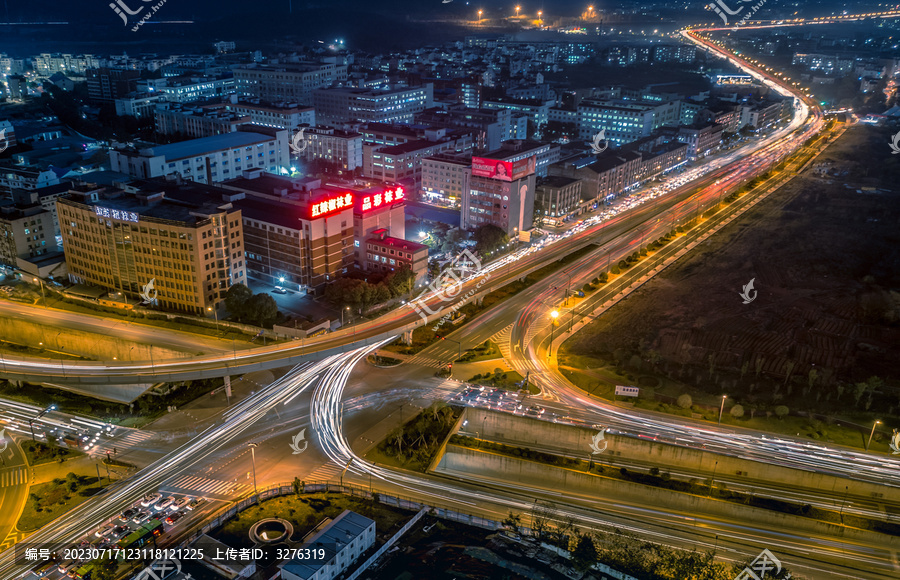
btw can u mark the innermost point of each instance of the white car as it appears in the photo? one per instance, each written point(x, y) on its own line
point(164, 504)
point(105, 530)
point(151, 499)
point(179, 503)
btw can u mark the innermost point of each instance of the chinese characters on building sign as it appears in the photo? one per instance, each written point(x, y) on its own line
point(116, 214)
point(627, 391)
point(326, 206)
point(379, 199)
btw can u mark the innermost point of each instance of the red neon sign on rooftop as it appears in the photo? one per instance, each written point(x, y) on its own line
point(378, 199)
point(326, 206)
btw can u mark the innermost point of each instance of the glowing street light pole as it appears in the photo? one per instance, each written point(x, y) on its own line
point(253, 447)
point(722, 408)
point(517, 10)
point(553, 316)
point(480, 12)
point(216, 313)
point(540, 16)
point(43, 296)
point(869, 442)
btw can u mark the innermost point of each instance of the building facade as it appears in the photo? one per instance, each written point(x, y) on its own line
point(347, 105)
point(501, 193)
point(207, 160)
point(176, 243)
point(289, 82)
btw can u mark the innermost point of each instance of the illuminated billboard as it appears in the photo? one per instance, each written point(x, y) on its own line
point(128, 216)
point(503, 170)
point(388, 196)
point(329, 205)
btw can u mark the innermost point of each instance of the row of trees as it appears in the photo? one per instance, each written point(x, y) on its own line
point(626, 552)
point(362, 295)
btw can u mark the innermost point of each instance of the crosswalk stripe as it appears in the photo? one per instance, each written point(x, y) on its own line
point(203, 484)
point(13, 476)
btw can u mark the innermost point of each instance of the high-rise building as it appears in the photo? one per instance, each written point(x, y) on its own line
point(107, 84)
point(500, 192)
point(347, 105)
point(290, 82)
point(173, 241)
point(445, 177)
point(294, 237)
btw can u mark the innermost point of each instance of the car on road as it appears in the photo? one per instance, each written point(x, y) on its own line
point(164, 504)
point(120, 531)
point(535, 411)
point(127, 514)
point(141, 517)
point(174, 517)
point(104, 531)
point(179, 503)
point(279, 290)
point(195, 503)
point(151, 499)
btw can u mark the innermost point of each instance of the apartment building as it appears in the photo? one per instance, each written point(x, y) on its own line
point(26, 228)
point(385, 253)
point(343, 540)
point(196, 121)
point(445, 177)
point(340, 149)
point(207, 160)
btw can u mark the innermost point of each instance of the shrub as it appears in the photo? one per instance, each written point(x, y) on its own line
point(623, 265)
point(604, 278)
point(781, 411)
point(615, 269)
point(654, 471)
point(685, 401)
point(737, 411)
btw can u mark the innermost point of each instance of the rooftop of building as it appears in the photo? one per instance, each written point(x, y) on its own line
point(380, 239)
point(333, 538)
point(186, 202)
point(556, 181)
point(203, 145)
point(298, 67)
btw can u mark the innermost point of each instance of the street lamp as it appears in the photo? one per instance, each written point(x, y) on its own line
point(540, 13)
point(38, 416)
point(253, 447)
point(869, 442)
point(342, 315)
point(479, 15)
point(553, 316)
point(216, 314)
point(517, 10)
point(722, 408)
point(43, 296)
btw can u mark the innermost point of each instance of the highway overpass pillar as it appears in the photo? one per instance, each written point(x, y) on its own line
point(407, 337)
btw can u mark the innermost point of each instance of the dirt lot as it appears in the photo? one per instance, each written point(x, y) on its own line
point(822, 334)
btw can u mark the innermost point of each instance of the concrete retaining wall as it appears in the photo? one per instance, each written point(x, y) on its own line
point(477, 463)
point(527, 431)
point(76, 342)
